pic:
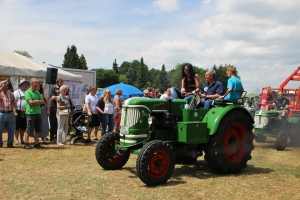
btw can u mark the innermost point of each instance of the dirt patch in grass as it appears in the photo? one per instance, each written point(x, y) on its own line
point(72, 172)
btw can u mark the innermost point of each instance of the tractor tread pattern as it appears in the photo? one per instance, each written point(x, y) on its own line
point(100, 152)
point(214, 154)
point(143, 161)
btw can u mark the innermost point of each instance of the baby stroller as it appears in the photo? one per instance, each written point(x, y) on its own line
point(77, 120)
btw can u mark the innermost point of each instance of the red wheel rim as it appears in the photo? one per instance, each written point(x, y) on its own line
point(159, 163)
point(283, 140)
point(235, 142)
point(110, 153)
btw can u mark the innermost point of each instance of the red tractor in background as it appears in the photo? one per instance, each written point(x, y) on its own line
point(268, 120)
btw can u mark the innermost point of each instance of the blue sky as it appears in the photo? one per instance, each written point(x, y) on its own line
point(261, 38)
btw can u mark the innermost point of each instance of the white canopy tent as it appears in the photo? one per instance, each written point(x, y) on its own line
point(14, 66)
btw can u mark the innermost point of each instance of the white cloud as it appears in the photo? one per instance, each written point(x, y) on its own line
point(166, 5)
point(259, 37)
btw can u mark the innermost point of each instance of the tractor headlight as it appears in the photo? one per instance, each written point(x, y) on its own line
point(152, 121)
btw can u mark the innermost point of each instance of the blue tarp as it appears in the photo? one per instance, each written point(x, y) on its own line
point(127, 90)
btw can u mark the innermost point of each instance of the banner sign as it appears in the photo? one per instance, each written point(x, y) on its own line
point(75, 92)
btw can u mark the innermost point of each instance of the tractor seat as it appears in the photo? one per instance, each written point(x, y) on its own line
point(222, 102)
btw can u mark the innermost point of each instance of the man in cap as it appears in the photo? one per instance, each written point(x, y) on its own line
point(7, 113)
point(146, 94)
point(21, 109)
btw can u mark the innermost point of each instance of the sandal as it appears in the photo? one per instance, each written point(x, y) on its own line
point(17, 143)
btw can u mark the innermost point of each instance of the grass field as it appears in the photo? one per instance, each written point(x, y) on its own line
point(72, 172)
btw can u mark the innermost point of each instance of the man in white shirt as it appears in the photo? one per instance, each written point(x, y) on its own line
point(90, 104)
point(21, 109)
point(167, 95)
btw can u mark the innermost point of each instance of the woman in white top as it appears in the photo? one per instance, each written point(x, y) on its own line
point(106, 109)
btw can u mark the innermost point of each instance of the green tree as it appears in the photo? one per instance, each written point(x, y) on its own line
point(153, 78)
point(123, 79)
point(83, 64)
point(124, 67)
point(163, 79)
point(72, 60)
point(115, 67)
point(131, 75)
point(175, 76)
point(23, 53)
point(142, 75)
point(106, 77)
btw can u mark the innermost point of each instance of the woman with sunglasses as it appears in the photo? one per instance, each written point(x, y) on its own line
point(188, 77)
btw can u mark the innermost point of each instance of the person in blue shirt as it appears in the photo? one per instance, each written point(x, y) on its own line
point(212, 89)
point(234, 85)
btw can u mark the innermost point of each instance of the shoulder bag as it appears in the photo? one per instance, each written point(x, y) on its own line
point(63, 112)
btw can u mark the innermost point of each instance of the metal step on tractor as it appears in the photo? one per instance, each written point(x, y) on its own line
point(270, 123)
point(163, 133)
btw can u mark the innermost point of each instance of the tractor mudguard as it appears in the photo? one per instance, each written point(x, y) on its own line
point(294, 120)
point(215, 115)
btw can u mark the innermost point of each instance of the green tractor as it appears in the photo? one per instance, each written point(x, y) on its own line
point(162, 133)
point(269, 123)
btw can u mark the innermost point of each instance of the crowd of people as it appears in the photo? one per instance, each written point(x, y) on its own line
point(25, 112)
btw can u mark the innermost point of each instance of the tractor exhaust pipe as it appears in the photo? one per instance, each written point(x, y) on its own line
point(169, 105)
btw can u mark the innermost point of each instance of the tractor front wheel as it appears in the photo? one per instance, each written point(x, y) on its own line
point(106, 154)
point(229, 149)
point(155, 163)
point(281, 140)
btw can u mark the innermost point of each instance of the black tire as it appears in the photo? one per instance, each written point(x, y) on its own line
point(295, 136)
point(260, 138)
point(281, 140)
point(185, 160)
point(106, 154)
point(155, 163)
point(229, 149)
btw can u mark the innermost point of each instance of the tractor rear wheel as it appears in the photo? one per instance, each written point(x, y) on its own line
point(106, 154)
point(155, 163)
point(281, 140)
point(229, 149)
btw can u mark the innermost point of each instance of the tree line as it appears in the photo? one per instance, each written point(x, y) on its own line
point(136, 72)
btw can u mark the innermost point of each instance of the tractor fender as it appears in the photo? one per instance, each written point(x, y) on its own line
point(215, 115)
point(294, 120)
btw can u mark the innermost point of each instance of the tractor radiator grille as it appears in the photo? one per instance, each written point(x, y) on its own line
point(263, 120)
point(132, 116)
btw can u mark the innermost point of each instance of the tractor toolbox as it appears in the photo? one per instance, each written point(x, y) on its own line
point(192, 132)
